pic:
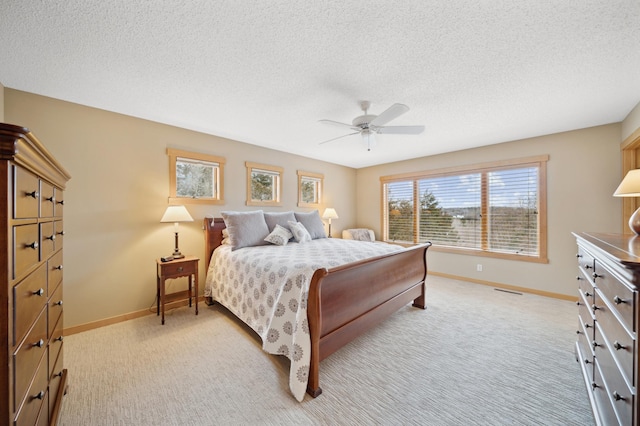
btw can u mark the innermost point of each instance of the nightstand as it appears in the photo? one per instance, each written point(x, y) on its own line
point(185, 267)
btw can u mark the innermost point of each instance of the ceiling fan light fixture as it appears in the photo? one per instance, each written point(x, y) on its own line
point(369, 138)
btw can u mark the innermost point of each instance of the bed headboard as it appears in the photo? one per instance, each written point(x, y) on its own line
point(212, 237)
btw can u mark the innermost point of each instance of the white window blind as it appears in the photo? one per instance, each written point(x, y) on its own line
point(487, 208)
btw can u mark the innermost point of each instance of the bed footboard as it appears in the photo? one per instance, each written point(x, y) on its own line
point(346, 301)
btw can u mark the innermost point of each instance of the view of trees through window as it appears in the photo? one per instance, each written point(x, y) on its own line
point(195, 179)
point(309, 190)
point(490, 210)
point(263, 185)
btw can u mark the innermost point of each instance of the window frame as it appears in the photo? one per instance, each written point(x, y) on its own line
point(174, 154)
point(537, 161)
point(318, 178)
point(277, 172)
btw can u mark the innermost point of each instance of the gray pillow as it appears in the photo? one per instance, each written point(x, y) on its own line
point(279, 218)
point(312, 223)
point(246, 229)
point(280, 236)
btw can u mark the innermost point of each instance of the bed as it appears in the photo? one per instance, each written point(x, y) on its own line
point(341, 301)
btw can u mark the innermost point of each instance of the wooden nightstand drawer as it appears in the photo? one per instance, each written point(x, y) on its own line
point(27, 195)
point(178, 268)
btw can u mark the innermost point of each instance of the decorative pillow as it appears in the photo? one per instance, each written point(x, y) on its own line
point(280, 236)
point(358, 234)
point(278, 218)
point(312, 223)
point(300, 233)
point(246, 229)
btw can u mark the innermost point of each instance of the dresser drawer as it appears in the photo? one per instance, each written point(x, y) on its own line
point(620, 395)
point(27, 195)
point(620, 297)
point(586, 262)
point(55, 377)
point(59, 204)
point(56, 339)
point(613, 336)
point(585, 351)
point(28, 356)
point(605, 411)
point(58, 229)
point(29, 297)
point(47, 199)
point(585, 312)
point(55, 309)
point(54, 278)
point(27, 248)
point(179, 269)
point(47, 239)
point(586, 289)
point(35, 410)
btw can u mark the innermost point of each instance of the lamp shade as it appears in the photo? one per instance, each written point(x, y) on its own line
point(330, 213)
point(630, 185)
point(176, 214)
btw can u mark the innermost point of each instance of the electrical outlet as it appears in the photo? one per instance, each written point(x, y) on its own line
point(479, 267)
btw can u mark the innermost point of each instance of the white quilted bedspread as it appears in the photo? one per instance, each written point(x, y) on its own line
point(267, 288)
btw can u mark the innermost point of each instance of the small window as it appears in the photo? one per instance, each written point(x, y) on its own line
point(309, 189)
point(264, 184)
point(195, 178)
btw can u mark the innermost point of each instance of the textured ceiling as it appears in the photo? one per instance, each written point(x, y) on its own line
point(264, 72)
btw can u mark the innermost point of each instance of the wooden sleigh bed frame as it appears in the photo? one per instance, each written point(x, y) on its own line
point(346, 301)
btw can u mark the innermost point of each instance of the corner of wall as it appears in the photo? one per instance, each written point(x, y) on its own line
point(631, 123)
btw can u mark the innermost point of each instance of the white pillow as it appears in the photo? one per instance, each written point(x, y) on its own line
point(279, 236)
point(300, 233)
point(358, 234)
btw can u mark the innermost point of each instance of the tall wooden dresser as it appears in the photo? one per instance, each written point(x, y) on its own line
point(32, 376)
point(607, 343)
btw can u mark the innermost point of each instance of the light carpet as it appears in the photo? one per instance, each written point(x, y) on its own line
point(476, 356)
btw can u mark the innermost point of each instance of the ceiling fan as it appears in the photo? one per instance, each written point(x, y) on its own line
point(367, 125)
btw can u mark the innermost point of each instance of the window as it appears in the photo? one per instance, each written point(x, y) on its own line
point(496, 209)
point(264, 184)
point(309, 189)
point(195, 178)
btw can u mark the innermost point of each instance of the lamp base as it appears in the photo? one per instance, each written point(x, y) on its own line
point(177, 255)
point(634, 222)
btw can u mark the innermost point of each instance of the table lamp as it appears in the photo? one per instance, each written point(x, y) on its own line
point(176, 214)
point(630, 187)
point(330, 213)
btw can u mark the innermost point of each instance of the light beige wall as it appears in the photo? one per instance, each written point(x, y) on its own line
point(631, 123)
point(1, 103)
point(583, 171)
point(118, 193)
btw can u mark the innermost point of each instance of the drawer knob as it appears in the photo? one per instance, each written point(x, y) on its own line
point(618, 346)
point(59, 267)
point(180, 269)
point(39, 292)
point(586, 361)
point(596, 276)
point(61, 202)
point(61, 233)
point(52, 199)
point(617, 300)
point(33, 245)
point(594, 385)
point(40, 395)
point(578, 255)
point(587, 325)
point(51, 237)
point(586, 293)
point(578, 278)
point(595, 344)
point(33, 194)
point(595, 307)
point(59, 339)
point(587, 266)
point(58, 303)
point(39, 343)
point(617, 396)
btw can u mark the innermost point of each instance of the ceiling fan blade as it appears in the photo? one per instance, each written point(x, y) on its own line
point(339, 137)
point(400, 130)
point(339, 124)
point(394, 111)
